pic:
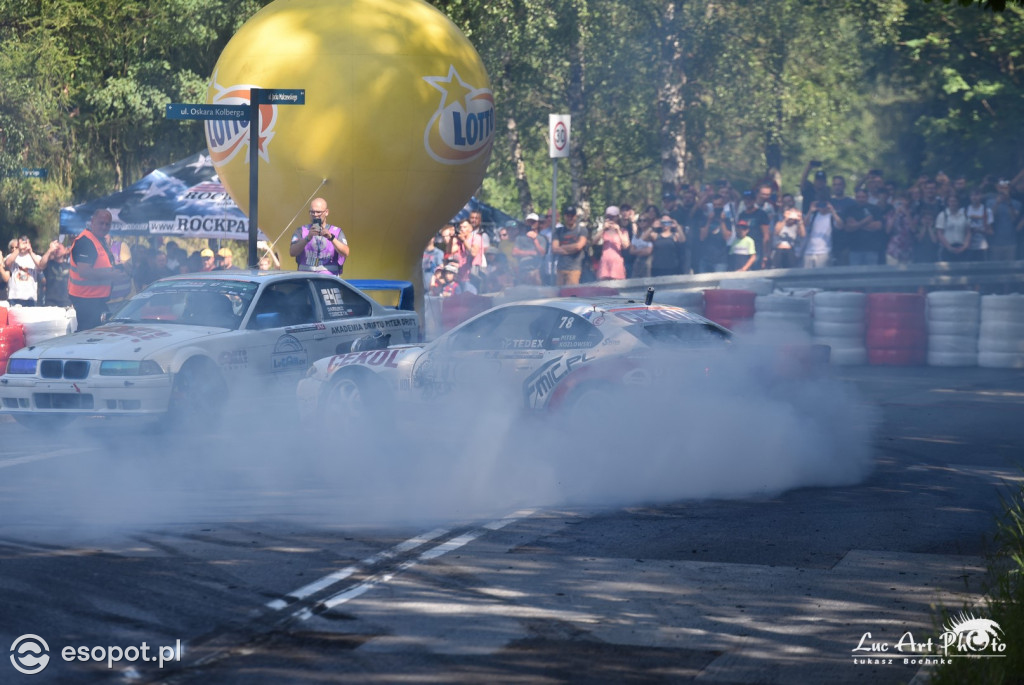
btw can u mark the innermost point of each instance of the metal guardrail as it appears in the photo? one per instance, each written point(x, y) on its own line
point(937, 276)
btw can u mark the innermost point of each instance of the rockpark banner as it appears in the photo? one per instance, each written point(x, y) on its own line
point(182, 200)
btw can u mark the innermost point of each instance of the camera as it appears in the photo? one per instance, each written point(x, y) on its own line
point(815, 162)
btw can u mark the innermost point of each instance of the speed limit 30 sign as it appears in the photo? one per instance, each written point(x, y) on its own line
point(558, 135)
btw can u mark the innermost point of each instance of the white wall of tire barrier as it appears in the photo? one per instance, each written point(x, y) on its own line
point(1001, 332)
point(839, 320)
point(953, 324)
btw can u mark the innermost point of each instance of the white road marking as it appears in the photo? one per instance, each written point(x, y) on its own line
point(432, 553)
point(37, 457)
point(366, 585)
point(451, 545)
point(341, 574)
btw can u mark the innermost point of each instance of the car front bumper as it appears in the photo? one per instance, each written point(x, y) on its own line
point(114, 396)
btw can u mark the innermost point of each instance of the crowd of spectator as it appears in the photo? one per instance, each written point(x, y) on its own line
point(31, 279)
point(719, 227)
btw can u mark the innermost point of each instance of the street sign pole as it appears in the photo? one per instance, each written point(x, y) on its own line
point(257, 97)
point(254, 175)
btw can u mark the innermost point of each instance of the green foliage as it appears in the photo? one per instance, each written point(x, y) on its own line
point(1004, 604)
point(83, 84)
point(660, 91)
point(993, 5)
point(965, 89)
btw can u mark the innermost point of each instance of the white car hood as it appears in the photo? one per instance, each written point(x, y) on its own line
point(117, 341)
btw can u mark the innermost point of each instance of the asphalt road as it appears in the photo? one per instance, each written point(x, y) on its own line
point(267, 564)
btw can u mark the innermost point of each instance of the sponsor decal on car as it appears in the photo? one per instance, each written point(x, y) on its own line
point(370, 325)
point(233, 358)
point(137, 333)
point(543, 381)
point(289, 355)
point(368, 358)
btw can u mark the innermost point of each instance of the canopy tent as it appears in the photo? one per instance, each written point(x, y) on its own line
point(187, 200)
point(182, 200)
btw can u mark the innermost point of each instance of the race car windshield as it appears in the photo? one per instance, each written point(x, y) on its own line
point(688, 334)
point(219, 304)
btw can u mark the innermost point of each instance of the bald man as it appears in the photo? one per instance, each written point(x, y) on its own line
point(93, 271)
point(319, 246)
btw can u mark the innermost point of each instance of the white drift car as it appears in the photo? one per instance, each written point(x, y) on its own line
point(187, 343)
point(539, 354)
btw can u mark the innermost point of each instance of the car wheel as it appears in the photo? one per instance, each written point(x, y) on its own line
point(589, 401)
point(352, 397)
point(44, 422)
point(197, 395)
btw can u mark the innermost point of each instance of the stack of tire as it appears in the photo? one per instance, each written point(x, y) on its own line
point(12, 339)
point(782, 314)
point(690, 300)
point(1001, 337)
point(953, 324)
point(839, 321)
point(43, 323)
point(733, 309)
point(897, 334)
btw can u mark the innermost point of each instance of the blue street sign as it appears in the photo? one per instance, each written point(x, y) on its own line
point(282, 96)
point(178, 110)
point(35, 173)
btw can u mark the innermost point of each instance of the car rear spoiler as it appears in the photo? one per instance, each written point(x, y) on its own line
point(392, 294)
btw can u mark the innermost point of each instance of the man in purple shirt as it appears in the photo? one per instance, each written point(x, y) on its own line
point(319, 246)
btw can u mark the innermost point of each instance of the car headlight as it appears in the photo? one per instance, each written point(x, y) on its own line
point(26, 366)
point(147, 367)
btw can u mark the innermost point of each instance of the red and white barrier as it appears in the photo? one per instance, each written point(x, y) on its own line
point(729, 308)
point(896, 333)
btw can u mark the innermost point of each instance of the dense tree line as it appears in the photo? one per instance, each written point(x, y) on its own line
point(660, 91)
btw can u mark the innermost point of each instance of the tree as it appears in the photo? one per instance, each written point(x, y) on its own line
point(968, 89)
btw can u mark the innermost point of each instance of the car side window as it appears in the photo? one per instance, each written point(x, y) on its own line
point(511, 328)
point(341, 301)
point(572, 332)
point(284, 303)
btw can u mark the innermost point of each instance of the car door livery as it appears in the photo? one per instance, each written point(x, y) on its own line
point(498, 349)
point(348, 314)
point(570, 346)
point(287, 330)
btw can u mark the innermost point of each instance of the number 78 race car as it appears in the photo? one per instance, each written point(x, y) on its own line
point(543, 354)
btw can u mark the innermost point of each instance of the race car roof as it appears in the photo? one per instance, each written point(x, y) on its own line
point(249, 275)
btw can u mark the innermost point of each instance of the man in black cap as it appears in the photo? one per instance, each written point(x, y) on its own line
point(816, 191)
point(760, 228)
point(568, 245)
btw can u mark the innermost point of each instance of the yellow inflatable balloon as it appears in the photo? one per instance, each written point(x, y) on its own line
point(395, 132)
